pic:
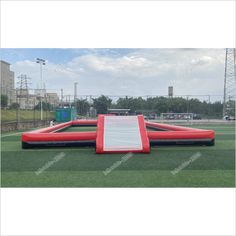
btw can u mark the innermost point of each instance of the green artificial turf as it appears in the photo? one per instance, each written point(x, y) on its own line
point(78, 129)
point(81, 167)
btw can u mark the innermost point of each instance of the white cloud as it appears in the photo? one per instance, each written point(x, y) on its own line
point(141, 72)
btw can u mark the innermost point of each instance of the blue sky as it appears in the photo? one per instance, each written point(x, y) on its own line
point(134, 72)
point(57, 55)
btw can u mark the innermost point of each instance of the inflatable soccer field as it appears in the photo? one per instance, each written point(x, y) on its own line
point(117, 134)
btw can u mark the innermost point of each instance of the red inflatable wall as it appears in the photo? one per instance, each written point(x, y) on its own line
point(167, 133)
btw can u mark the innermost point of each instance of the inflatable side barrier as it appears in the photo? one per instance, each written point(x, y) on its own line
point(117, 134)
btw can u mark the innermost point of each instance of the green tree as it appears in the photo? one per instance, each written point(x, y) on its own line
point(177, 105)
point(82, 106)
point(195, 106)
point(230, 108)
point(160, 104)
point(14, 106)
point(46, 106)
point(101, 104)
point(131, 103)
point(4, 100)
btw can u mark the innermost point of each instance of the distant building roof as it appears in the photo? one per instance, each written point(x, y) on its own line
point(5, 62)
point(118, 109)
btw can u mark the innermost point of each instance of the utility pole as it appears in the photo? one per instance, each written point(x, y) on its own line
point(41, 63)
point(62, 98)
point(229, 82)
point(69, 101)
point(75, 91)
point(209, 106)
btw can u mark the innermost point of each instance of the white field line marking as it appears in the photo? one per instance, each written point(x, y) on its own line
point(22, 132)
point(11, 134)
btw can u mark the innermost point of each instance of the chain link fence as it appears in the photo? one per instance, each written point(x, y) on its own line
point(203, 106)
point(25, 106)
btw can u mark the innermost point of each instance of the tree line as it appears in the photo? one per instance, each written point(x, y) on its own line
point(155, 105)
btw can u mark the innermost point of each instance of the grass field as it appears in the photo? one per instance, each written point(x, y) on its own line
point(81, 167)
point(10, 115)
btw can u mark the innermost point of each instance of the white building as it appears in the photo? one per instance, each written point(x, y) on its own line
point(7, 81)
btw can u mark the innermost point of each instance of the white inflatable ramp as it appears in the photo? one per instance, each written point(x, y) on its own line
point(121, 134)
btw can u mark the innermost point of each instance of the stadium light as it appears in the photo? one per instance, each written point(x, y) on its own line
point(41, 63)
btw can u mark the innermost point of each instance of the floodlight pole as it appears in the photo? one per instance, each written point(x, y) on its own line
point(41, 62)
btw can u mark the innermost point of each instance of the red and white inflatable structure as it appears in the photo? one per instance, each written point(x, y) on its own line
point(118, 134)
point(121, 134)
